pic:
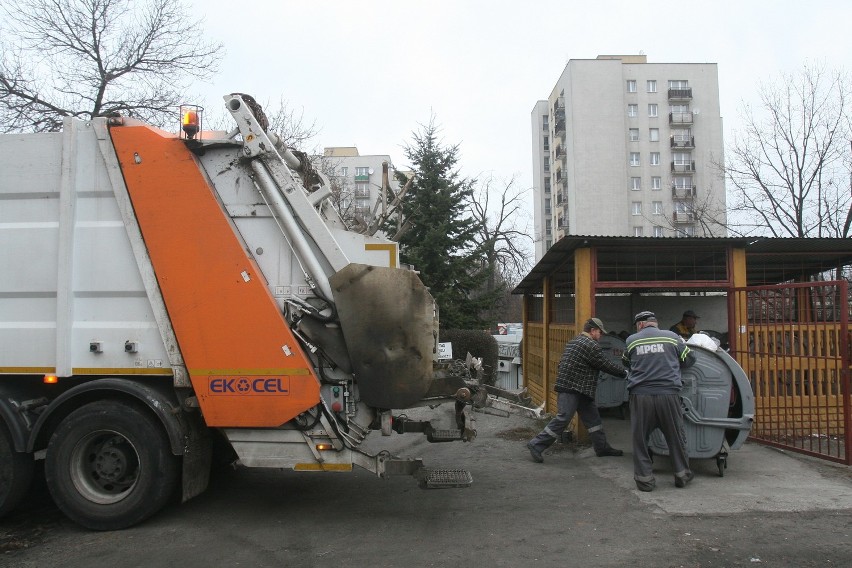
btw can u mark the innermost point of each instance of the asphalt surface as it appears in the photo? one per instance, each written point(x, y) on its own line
point(771, 508)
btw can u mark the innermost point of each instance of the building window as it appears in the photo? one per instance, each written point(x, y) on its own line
point(682, 158)
point(545, 124)
point(678, 108)
point(652, 110)
point(654, 134)
point(682, 135)
point(658, 208)
point(636, 208)
point(682, 182)
point(634, 158)
point(547, 206)
point(635, 183)
point(547, 143)
point(655, 158)
point(362, 171)
point(547, 244)
point(658, 231)
point(547, 185)
point(362, 190)
point(547, 228)
point(631, 85)
point(344, 171)
point(656, 183)
point(652, 86)
point(637, 231)
point(634, 134)
point(678, 84)
point(682, 207)
point(633, 110)
point(547, 163)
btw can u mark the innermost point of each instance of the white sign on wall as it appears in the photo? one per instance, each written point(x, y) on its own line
point(445, 351)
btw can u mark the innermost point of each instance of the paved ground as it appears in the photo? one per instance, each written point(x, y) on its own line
point(770, 509)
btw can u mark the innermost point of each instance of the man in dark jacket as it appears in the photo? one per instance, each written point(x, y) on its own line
point(576, 383)
point(655, 358)
point(686, 326)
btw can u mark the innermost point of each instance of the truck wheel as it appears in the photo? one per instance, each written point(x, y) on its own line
point(109, 466)
point(16, 472)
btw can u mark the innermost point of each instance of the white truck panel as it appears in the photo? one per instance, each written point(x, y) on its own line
point(69, 274)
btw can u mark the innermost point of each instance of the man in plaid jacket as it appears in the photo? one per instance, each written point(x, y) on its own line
point(576, 383)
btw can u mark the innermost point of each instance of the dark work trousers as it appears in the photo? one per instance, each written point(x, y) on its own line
point(568, 403)
point(663, 411)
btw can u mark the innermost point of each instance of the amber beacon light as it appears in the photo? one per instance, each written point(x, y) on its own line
point(190, 120)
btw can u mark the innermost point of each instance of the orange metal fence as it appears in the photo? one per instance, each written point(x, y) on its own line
point(793, 343)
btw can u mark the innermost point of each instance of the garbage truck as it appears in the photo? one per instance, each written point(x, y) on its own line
point(167, 297)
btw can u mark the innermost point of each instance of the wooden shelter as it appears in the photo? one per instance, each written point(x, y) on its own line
point(782, 303)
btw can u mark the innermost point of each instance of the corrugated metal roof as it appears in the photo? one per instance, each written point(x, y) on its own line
point(649, 259)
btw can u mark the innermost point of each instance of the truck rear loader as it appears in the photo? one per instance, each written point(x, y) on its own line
point(162, 295)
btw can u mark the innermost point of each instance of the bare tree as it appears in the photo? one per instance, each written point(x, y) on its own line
point(87, 58)
point(292, 127)
point(496, 208)
point(789, 170)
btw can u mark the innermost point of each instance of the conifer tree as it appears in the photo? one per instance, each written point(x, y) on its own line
point(437, 238)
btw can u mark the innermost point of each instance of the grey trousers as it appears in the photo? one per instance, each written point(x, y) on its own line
point(568, 403)
point(663, 411)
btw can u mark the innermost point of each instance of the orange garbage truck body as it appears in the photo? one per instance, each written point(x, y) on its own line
point(167, 295)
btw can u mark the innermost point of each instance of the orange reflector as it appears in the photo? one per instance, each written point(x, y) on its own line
point(323, 447)
point(51, 379)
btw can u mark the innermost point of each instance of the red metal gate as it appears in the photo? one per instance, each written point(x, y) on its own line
point(793, 342)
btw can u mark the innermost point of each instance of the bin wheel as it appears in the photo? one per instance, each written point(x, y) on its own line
point(722, 464)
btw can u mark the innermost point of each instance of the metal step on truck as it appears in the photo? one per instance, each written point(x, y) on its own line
point(165, 294)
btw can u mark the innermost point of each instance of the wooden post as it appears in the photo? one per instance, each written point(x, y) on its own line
point(546, 318)
point(584, 298)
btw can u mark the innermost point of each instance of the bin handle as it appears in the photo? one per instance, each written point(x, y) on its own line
point(692, 415)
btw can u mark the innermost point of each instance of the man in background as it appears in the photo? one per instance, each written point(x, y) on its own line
point(576, 383)
point(686, 326)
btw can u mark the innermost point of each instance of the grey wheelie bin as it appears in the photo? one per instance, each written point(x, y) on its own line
point(718, 408)
point(612, 390)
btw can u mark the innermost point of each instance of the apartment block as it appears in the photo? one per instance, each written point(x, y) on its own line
point(623, 147)
point(357, 180)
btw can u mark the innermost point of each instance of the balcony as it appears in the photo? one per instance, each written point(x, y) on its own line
point(362, 177)
point(685, 217)
point(683, 192)
point(362, 192)
point(560, 151)
point(682, 142)
point(559, 128)
point(680, 94)
point(678, 168)
point(680, 118)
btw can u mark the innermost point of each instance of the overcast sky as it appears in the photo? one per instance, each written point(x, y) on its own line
point(370, 72)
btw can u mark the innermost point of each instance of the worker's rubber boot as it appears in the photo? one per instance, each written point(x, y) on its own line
point(602, 447)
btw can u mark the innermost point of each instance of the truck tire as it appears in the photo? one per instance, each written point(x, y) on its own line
point(109, 466)
point(16, 472)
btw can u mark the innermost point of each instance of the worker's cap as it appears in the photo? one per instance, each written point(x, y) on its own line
point(690, 314)
point(644, 316)
point(595, 322)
